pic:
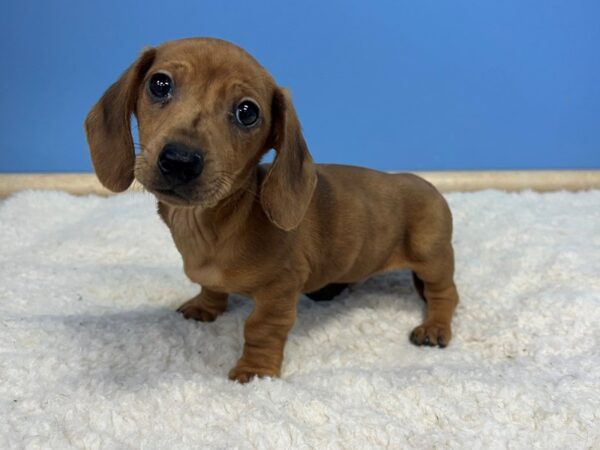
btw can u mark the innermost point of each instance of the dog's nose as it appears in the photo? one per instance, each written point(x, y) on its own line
point(180, 164)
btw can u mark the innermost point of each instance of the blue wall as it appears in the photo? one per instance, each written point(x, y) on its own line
point(389, 84)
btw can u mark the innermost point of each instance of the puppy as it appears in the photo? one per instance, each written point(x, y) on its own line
point(207, 113)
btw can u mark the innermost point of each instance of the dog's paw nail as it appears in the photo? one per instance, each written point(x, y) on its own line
point(190, 310)
point(242, 378)
point(431, 335)
point(243, 374)
point(413, 338)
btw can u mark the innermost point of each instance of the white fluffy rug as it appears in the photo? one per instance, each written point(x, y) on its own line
point(93, 354)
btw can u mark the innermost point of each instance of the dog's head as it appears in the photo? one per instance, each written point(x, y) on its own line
point(207, 112)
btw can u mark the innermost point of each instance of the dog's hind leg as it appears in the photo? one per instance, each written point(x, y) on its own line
point(441, 296)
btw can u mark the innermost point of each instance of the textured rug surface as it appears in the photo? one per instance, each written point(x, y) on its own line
point(93, 354)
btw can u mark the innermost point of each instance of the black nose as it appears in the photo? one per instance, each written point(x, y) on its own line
point(180, 164)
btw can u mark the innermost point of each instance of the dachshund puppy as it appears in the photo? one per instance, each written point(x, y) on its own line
point(207, 113)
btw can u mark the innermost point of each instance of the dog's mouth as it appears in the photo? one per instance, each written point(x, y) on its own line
point(172, 196)
point(179, 197)
point(170, 193)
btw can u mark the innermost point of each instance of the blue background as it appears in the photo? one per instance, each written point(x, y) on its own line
point(396, 85)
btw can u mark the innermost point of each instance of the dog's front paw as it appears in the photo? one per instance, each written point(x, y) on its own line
point(431, 334)
point(193, 309)
point(243, 373)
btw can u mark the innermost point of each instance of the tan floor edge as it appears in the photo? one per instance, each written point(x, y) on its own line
point(538, 180)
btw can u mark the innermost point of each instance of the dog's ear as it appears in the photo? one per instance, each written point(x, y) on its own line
point(289, 185)
point(108, 126)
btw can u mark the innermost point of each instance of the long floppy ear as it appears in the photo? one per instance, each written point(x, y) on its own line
point(289, 185)
point(108, 127)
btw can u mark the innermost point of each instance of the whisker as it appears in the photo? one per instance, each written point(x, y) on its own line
point(140, 146)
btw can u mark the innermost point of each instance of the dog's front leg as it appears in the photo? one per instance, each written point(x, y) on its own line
point(205, 307)
point(265, 334)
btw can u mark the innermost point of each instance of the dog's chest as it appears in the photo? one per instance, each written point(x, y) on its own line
point(221, 274)
point(207, 259)
point(205, 265)
point(209, 275)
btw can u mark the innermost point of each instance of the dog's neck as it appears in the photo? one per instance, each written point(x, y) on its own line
point(215, 224)
point(233, 211)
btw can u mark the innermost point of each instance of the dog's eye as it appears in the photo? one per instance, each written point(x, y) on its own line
point(247, 113)
point(160, 86)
